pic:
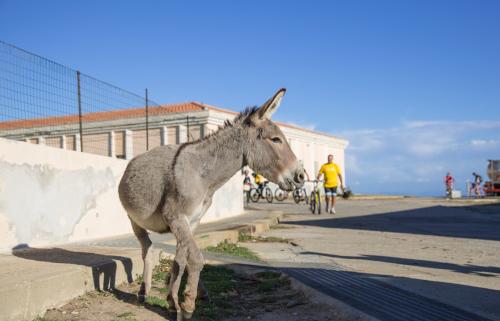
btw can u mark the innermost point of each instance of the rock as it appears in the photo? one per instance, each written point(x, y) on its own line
point(293, 303)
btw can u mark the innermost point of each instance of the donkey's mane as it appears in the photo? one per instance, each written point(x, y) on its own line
point(236, 121)
point(242, 116)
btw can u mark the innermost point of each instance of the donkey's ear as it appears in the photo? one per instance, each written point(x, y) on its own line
point(270, 106)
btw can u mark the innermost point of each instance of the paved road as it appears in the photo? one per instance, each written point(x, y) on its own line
point(445, 251)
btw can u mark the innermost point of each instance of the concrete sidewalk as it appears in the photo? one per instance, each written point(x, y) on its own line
point(444, 251)
point(35, 279)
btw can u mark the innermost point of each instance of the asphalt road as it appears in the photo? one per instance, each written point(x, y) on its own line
point(447, 251)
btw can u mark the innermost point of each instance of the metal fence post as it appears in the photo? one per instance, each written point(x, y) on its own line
point(147, 121)
point(79, 109)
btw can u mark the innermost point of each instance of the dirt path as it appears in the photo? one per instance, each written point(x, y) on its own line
point(255, 295)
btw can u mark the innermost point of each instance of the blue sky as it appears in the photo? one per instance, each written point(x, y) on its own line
point(414, 85)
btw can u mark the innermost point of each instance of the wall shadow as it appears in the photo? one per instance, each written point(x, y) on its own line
point(486, 271)
point(103, 268)
point(463, 222)
point(102, 265)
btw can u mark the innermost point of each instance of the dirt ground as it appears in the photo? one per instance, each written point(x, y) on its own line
point(255, 295)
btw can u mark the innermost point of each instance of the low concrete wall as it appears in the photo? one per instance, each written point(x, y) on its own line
point(52, 196)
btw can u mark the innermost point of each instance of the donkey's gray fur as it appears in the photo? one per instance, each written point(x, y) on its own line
point(169, 188)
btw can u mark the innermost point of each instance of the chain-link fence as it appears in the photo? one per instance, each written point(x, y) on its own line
point(44, 102)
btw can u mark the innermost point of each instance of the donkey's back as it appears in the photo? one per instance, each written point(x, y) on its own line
point(144, 185)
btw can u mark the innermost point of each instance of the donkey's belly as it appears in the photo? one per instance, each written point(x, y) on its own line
point(153, 222)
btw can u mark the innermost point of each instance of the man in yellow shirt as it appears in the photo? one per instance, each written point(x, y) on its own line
point(332, 174)
point(259, 180)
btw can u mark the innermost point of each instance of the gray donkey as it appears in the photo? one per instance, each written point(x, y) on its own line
point(169, 188)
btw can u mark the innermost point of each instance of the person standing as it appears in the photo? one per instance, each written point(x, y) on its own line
point(448, 181)
point(476, 185)
point(247, 185)
point(333, 177)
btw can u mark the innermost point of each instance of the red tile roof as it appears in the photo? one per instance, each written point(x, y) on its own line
point(100, 116)
point(127, 113)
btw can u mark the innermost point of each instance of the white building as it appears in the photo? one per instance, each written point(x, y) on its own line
point(122, 133)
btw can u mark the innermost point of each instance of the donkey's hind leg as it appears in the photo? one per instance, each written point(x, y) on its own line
point(147, 252)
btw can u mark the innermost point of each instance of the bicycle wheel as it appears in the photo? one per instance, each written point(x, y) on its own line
point(254, 195)
point(312, 203)
point(296, 196)
point(280, 194)
point(306, 198)
point(269, 195)
point(318, 201)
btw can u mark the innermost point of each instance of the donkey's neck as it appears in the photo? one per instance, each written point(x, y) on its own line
point(222, 155)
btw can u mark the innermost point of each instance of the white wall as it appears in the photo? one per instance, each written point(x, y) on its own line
point(52, 196)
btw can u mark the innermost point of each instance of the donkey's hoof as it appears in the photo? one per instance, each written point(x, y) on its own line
point(141, 298)
point(187, 315)
point(180, 315)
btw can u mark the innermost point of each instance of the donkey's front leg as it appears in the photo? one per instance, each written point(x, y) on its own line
point(194, 266)
point(182, 233)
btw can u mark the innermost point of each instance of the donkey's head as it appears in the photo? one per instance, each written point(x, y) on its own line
point(267, 150)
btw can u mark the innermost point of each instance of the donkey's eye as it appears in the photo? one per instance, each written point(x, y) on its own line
point(276, 140)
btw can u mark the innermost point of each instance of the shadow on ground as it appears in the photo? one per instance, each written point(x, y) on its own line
point(386, 300)
point(102, 265)
point(362, 291)
point(103, 268)
point(486, 271)
point(475, 222)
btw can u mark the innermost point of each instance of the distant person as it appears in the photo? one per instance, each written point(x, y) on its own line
point(247, 181)
point(448, 182)
point(333, 177)
point(476, 184)
point(247, 185)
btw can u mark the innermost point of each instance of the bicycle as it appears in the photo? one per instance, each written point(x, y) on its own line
point(315, 199)
point(300, 194)
point(264, 192)
point(280, 194)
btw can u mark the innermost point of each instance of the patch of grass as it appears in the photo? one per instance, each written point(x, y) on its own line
point(244, 237)
point(268, 285)
point(221, 283)
point(156, 301)
point(41, 319)
point(270, 281)
point(161, 271)
point(234, 250)
point(126, 316)
point(268, 275)
point(162, 290)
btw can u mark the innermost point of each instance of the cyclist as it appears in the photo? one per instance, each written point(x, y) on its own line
point(448, 181)
point(333, 177)
point(260, 181)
